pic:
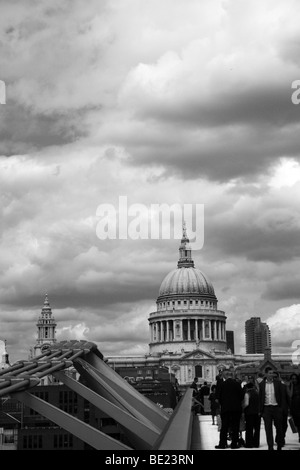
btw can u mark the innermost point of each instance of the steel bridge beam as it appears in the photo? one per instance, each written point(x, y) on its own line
point(99, 384)
point(78, 428)
point(133, 397)
point(144, 436)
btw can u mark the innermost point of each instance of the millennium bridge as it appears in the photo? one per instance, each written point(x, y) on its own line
point(146, 425)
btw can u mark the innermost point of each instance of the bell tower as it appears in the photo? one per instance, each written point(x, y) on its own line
point(46, 329)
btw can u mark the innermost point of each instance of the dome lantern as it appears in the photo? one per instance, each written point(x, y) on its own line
point(185, 252)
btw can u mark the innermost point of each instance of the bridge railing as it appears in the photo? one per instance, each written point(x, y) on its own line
point(177, 434)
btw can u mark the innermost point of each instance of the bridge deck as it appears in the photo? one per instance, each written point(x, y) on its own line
point(210, 437)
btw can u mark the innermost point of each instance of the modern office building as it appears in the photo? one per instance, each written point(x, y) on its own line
point(258, 336)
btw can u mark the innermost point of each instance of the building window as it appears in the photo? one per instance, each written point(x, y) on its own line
point(63, 441)
point(68, 402)
point(8, 436)
point(198, 371)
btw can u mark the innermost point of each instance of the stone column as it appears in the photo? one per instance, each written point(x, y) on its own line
point(189, 330)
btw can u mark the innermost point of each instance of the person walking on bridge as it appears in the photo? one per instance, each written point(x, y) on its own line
point(229, 396)
point(270, 402)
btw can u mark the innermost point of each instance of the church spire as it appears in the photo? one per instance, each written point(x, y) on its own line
point(185, 251)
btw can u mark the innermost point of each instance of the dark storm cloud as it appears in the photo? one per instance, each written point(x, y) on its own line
point(98, 279)
point(22, 131)
point(268, 105)
point(256, 243)
point(283, 289)
point(238, 135)
point(100, 296)
point(221, 155)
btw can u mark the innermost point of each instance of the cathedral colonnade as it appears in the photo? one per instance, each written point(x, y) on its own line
point(187, 329)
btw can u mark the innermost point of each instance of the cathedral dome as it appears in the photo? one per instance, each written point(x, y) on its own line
point(186, 280)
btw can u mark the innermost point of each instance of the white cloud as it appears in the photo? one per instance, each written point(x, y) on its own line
point(78, 332)
point(286, 174)
point(285, 327)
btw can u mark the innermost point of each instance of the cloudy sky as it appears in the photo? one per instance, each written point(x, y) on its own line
point(175, 102)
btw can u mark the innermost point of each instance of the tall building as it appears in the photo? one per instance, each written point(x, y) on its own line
point(258, 336)
point(230, 340)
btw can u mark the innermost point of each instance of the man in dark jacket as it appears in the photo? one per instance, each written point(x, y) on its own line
point(271, 401)
point(285, 405)
point(229, 395)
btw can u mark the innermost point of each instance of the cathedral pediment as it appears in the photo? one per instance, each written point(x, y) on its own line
point(267, 363)
point(197, 354)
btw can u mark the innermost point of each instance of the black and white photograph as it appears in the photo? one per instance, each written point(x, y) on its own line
point(150, 227)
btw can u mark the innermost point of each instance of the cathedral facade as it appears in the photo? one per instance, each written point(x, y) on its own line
point(187, 331)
